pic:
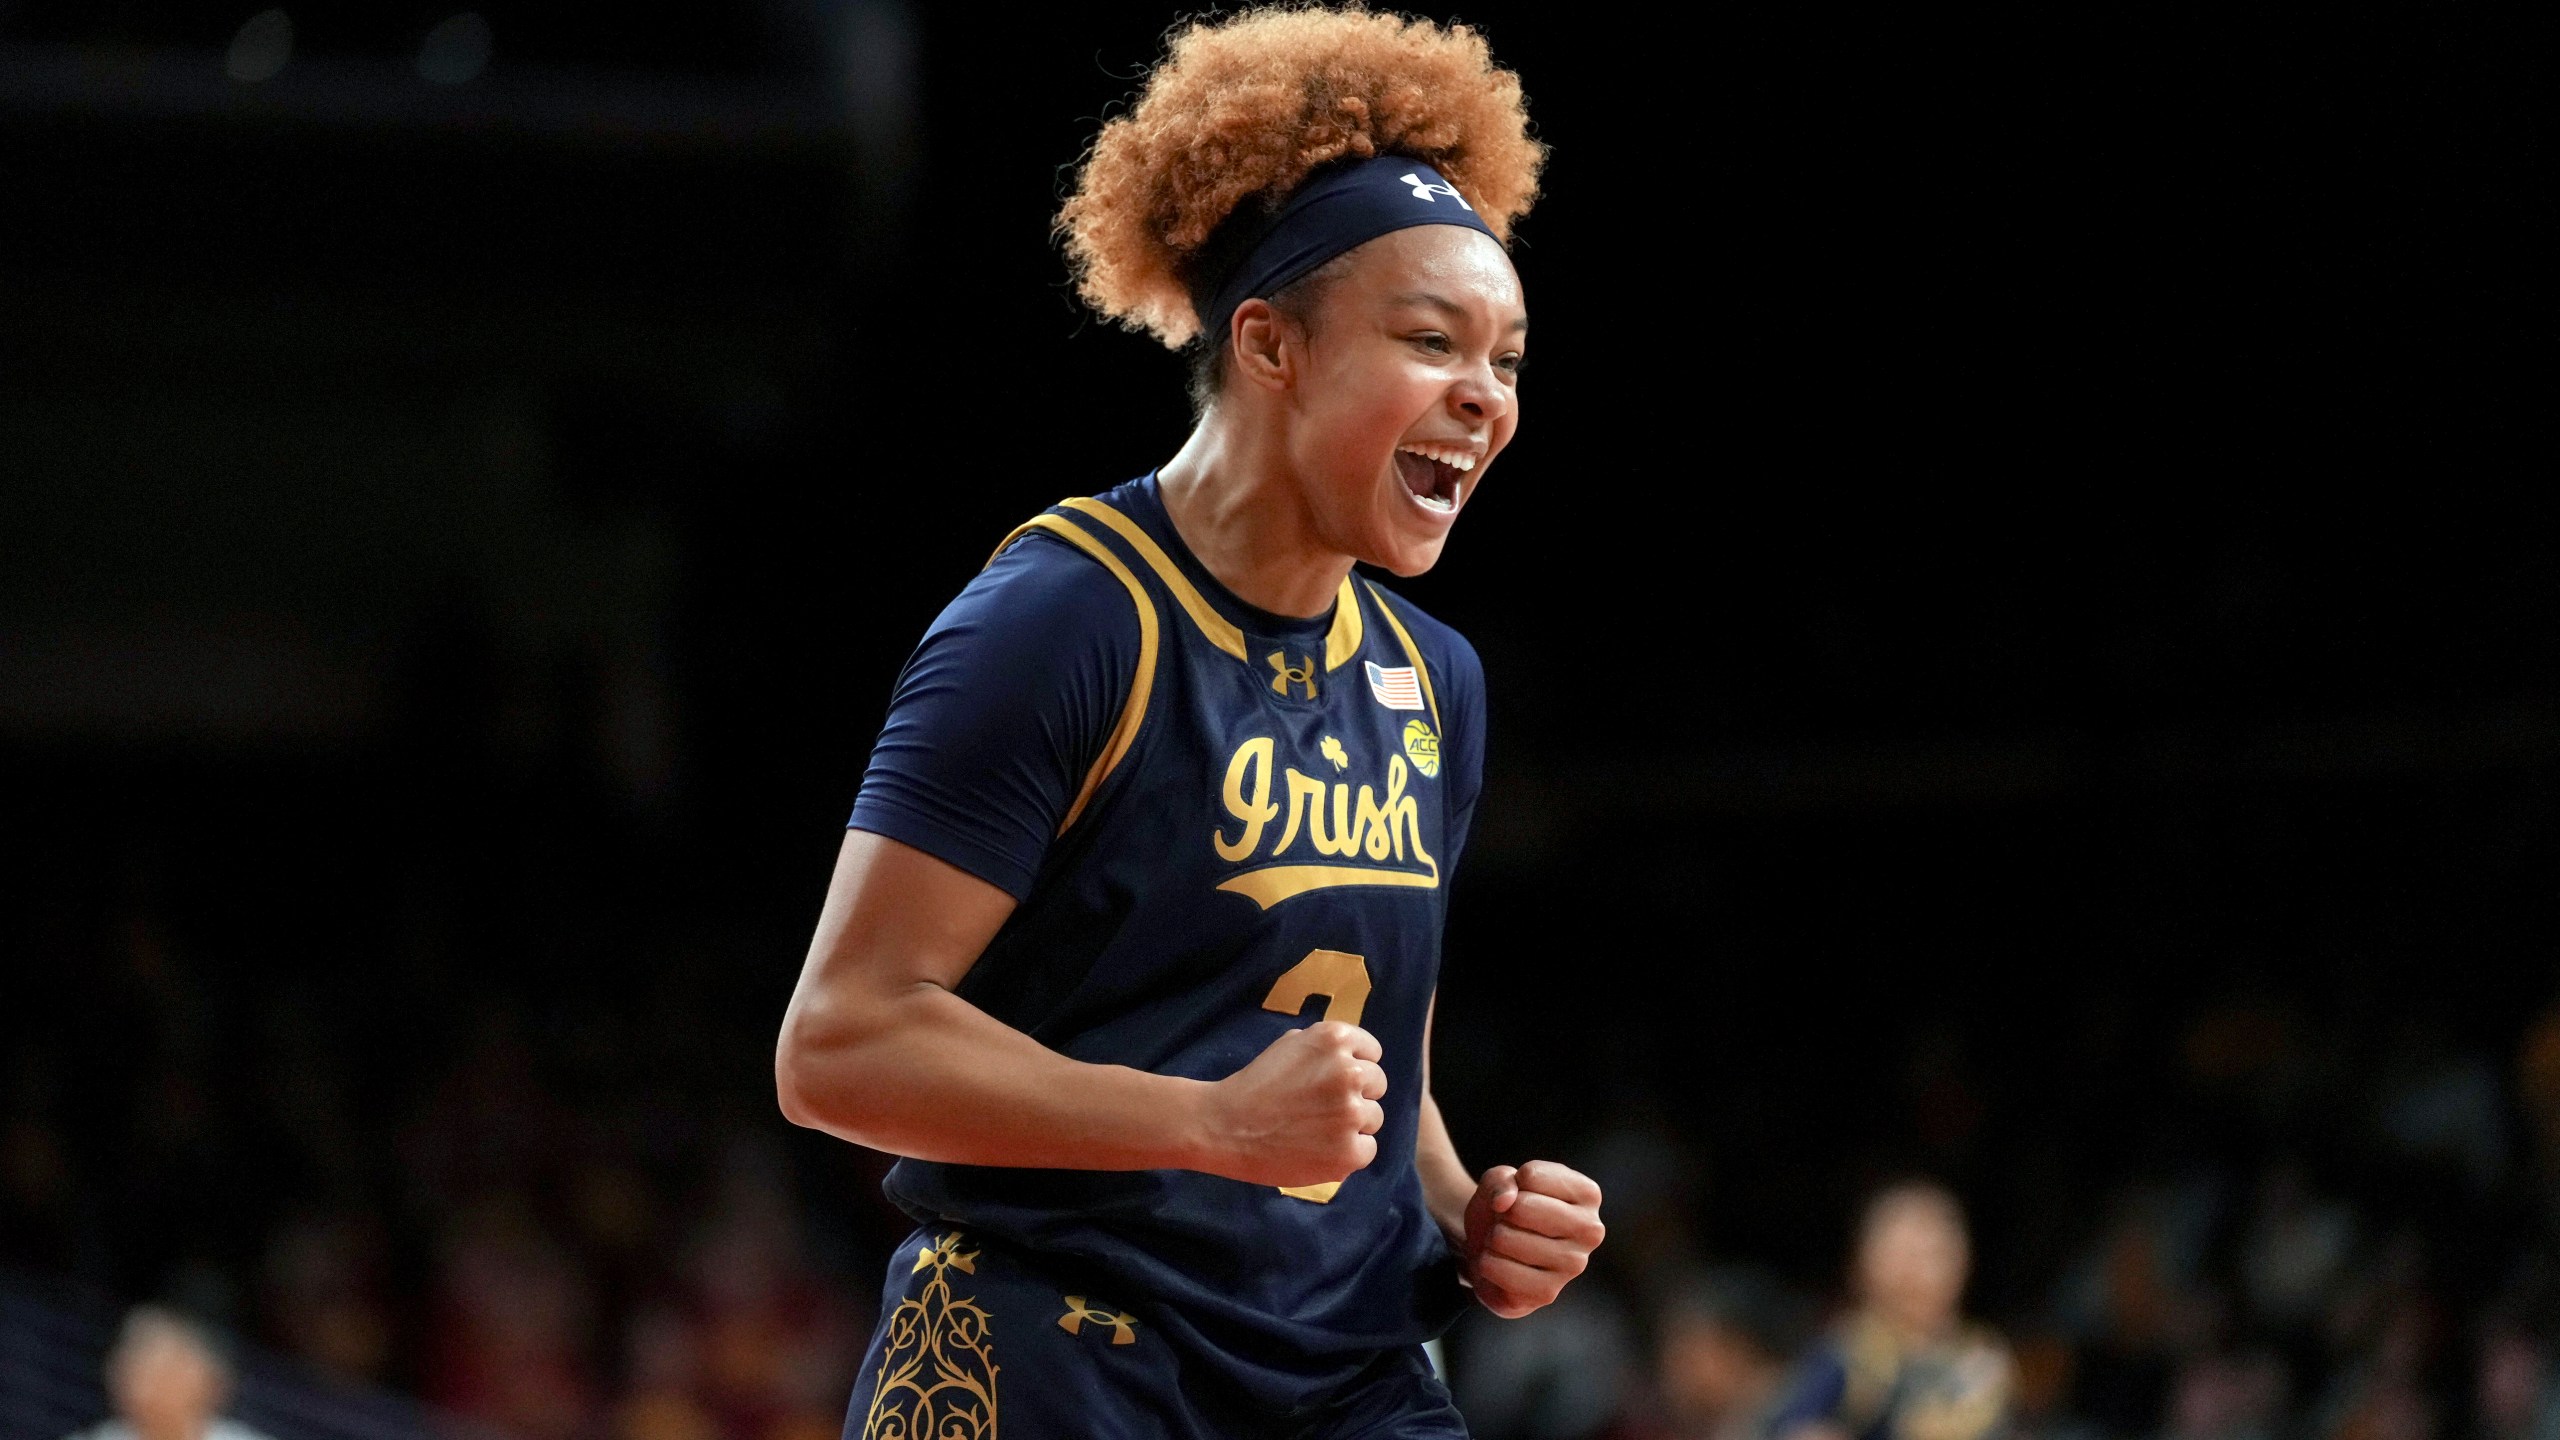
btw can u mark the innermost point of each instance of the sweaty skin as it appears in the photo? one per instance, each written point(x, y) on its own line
point(1290, 478)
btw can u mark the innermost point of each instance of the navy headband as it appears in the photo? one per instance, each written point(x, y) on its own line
point(1254, 255)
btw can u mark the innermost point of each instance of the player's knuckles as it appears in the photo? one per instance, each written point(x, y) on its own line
point(1561, 1181)
point(1546, 1215)
point(1549, 1216)
point(1345, 1039)
point(1540, 1251)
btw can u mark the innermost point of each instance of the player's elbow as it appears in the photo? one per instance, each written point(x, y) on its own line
point(790, 1089)
point(810, 1063)
point(824, 1063)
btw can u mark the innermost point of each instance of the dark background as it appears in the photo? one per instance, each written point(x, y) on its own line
point(2020, 624)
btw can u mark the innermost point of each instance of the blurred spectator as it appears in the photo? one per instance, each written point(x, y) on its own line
point(1724, 1344)
point(511, 1318)
point(2137, 1301)
point(2219, 1397)
point(323, 1293)
point(2388, 1332)
point(2513, 1396)
point(2296, 1250)
point(168, 1381)
point(777, 1350)
point(1564, 1373)
point(1903, 1365)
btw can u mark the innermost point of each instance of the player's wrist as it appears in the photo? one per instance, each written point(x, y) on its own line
point(1202, 1139)
point(1452, 1219)
point(1447, 1190)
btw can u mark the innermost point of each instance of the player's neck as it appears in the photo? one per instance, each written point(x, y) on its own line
point(1235, 502)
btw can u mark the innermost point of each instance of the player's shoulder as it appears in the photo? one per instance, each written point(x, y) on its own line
point(1440, 643)
point(1041, 584)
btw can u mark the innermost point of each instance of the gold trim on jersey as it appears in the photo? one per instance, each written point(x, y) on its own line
point(1272, 884)
point(1412, 652)
point(1341, 641)
point(1134, 713)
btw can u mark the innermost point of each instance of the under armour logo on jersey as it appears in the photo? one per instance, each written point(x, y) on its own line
point(1425, 190)
point(1302, 673)
point(1124, 1327)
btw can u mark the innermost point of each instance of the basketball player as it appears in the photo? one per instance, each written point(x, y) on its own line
point(1904, 1365)
point(1132, 944)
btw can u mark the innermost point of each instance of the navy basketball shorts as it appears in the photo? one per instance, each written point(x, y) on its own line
point(980, 1342)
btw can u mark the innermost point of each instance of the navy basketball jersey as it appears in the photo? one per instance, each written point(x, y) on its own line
point(1251, 822)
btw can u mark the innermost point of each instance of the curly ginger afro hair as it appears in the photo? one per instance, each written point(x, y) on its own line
point(1241, 109)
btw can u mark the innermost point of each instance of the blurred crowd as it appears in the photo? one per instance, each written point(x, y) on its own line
point(2343, 1240)
point(2342, 1247)
point(489, 1235)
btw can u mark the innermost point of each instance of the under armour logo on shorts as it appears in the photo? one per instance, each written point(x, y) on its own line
point(1124, 1326)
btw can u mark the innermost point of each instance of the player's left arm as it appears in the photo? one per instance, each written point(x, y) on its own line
point(1522, 1232)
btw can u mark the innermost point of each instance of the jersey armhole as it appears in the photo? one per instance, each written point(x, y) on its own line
point(1133, 712)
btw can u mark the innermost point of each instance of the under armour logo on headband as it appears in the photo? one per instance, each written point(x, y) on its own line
point(1425, 190)
point(1257, 252)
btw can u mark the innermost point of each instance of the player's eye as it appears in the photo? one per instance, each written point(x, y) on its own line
point(1511, 364)
point(1433, 341)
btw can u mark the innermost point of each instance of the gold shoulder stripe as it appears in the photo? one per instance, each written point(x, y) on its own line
point(1412, 652)
point(1221, 633)
point(1343, 640)
point(1134, 713)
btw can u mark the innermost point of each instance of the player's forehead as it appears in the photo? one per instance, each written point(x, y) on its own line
point(1439, 267)
point(1921, 1218)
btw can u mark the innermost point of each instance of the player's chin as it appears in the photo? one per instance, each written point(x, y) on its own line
point(1404, 555)
point(1406, 536)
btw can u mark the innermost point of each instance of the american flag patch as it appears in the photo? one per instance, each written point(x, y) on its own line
point(1396, 688)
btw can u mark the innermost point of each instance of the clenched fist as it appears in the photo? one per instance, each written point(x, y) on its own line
point(1303, 1112)
point(1529, 1230)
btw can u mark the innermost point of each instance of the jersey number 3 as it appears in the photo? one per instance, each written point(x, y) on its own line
point(1343, 981)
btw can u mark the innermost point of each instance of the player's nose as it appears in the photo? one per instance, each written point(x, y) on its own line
point(1479, 398)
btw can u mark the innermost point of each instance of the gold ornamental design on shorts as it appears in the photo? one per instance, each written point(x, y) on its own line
point(937, 1376)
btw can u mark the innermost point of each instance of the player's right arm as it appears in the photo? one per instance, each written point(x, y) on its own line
point(997, 721)
point(877, 1048)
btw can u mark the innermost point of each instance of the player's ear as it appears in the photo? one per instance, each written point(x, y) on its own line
point(1259, 339)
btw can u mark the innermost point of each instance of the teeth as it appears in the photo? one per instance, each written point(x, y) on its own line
point(1461, 461)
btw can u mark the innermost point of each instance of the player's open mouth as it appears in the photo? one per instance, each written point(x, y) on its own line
point(1436, 474)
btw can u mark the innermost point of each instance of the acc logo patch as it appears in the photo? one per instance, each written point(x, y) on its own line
point(1422, 747)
